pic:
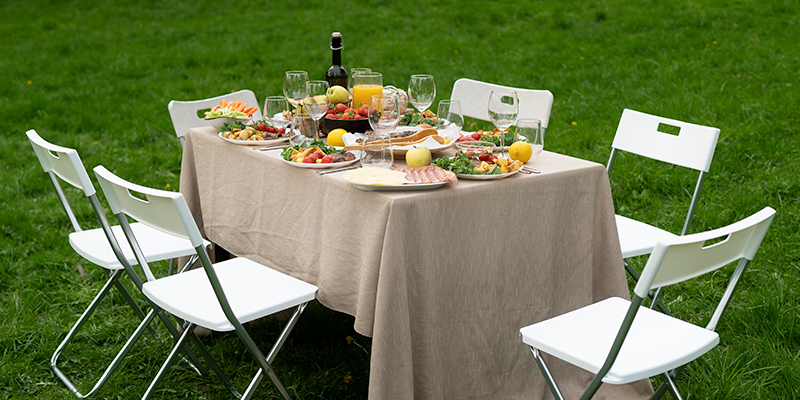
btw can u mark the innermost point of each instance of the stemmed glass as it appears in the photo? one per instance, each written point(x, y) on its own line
point(384, 115)
point(274, 109)
point(421, 91)
point(317, 101)
point(449, 114)
point(503, 109)
point(294, 86)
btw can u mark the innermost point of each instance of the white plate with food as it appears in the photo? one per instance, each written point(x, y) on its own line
point(316, 165)
point(486, 177)
point(372, 179)
point(399, 149)
point(266, 142)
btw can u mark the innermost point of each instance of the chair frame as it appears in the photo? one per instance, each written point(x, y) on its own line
point(115, 188)
point(184, 113)
point(665, 268)
point(65, 163)
point(692, 148)
point(533, 103)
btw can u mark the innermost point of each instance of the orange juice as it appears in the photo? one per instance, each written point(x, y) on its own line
point(362, 93)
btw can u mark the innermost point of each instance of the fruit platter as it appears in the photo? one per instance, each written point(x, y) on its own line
point(258, 133)
point(317, 155)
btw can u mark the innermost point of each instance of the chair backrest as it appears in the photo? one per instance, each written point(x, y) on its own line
point(474, 97)
point(184, 113)
point(692, 147)
point(159, 209)
point(64, 163)
point(690, 256)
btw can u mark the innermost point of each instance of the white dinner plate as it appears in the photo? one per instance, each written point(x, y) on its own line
point(321, 165)
point(254, 142)
point(407, 186)
point(478, 177)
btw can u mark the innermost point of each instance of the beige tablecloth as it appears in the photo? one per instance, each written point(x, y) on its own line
point(442, 280)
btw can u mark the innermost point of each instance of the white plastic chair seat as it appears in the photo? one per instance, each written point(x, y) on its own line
point(253, 291)
point(638, 238)
point(156, 245)
point(655, 343)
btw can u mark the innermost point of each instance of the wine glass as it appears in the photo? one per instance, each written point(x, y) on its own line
point(294, 86)
point(274, 110)
point(304, 129)
point(317, 101)
point(530, 130)
point(384, 115)
point(449, 115)
point(503, 109)
point(421, 91)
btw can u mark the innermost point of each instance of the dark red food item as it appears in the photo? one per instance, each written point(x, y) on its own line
point(309, 160)
point(317, 154)
point(476, 136)
point(340, 108)
point(262, 127)
point(327, 159)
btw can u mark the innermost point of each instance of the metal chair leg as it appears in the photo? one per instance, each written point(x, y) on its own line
point(548, 377)
point(113, 281)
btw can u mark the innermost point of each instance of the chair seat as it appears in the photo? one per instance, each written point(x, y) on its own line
point(253, 291)
point(637, 238)
point(656, 342)
point(155, 244)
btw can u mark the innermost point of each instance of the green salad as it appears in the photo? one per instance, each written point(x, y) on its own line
point(461, 164)
point(286, 153)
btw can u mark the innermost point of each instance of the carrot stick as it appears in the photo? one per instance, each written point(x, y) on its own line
point(223, 103)
point(240, 106)
point(250, 111)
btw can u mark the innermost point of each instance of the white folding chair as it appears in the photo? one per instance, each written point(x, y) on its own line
point(220, 296)
point(692, 147)
point(185, 116)
point(620, 342)
point(94, 245)
point(474, 98)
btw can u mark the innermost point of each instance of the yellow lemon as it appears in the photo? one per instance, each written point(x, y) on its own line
point(335, 137)
point(520, 151)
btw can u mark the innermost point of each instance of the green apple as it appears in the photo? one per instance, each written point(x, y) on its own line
point(418, 157)
point(338, 94)
point(321, 99)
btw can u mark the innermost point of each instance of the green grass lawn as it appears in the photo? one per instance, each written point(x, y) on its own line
point(97, 76)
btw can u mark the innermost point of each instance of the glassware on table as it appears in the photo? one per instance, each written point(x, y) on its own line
point(353, 73)
point(421, 91)
point(366, 85)
point(304, 129)
point(503, 108)
point(294, 86)
point(384, 115)
point(530, 130)
point(448, 115)
point(317, 100)
point(275, 108)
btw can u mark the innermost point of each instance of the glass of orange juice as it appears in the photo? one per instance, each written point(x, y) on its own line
point(366, 85)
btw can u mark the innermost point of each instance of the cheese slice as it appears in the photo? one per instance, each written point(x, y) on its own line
point(376, 176)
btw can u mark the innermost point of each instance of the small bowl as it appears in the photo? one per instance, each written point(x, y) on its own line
point(350, 125)
point(217, 122)
point(478, 148)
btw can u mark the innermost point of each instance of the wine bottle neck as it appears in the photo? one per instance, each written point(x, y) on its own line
point(337, 57)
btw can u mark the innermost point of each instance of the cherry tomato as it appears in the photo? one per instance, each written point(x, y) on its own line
point(261, 127)
point(272, 129)
point(309, 160)
point(281, 130)
point(476, 136)
point(317, 154)
point(327, 159)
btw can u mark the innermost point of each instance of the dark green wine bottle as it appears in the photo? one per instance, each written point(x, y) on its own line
point(336, 74)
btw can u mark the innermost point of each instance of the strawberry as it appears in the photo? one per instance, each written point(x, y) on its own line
point(341, 107)
point(363, 110)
